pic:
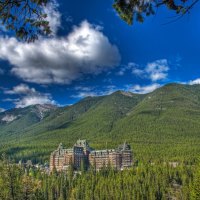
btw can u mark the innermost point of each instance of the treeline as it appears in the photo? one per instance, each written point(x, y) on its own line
point(150, 181)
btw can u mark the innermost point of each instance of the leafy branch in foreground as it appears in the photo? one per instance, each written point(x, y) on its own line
point(26, 18)
point(137, 10)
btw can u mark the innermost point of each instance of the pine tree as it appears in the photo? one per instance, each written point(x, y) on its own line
point(196, 185)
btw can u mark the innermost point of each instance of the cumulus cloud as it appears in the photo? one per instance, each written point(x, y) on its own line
point(194, 82)
point(28, 96)
point(86, 50)
point(144, 89)
point(155, 71)
point(21, 89)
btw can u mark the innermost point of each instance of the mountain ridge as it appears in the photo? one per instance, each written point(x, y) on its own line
point(162, 124)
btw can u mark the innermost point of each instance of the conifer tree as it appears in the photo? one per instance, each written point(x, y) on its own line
point(196, 185)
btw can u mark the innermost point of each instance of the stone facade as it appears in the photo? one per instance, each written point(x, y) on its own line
point(119, 158)
point(82, 154)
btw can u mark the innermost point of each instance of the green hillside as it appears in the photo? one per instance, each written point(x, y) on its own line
point(15, 121)
point(164, 124)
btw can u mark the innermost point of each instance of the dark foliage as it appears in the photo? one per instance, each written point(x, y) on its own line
point(26, 18)
point(137, 10)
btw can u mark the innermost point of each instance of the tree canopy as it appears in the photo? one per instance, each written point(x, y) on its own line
point(26, 18)
point(152, 181)
point(137, 10)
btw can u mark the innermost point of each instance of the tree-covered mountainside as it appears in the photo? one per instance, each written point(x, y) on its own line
point(16, 120)
point(164, 124)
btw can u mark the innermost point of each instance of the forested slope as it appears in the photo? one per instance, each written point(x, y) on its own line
point(164, 124)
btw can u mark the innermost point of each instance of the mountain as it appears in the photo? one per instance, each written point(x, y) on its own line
point(164, 124)
point(18, 119)
point(38, 111)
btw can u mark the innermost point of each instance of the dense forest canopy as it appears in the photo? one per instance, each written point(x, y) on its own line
point(152, 181)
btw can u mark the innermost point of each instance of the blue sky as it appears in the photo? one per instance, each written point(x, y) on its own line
point(92, 52)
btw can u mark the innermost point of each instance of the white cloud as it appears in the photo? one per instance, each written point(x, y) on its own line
point(87, 91)
point(138, 72)
point(86, 50)
point(155, 71)
point(91, 91)
point(21, 89)
point(53, 16)
point(28, 96)
point(193, 82)
point(2, 110)
point(83, 94)
point(144, 89)
point(34, 100)
point(121, 72)
point(125, 68)
point(83, 88)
